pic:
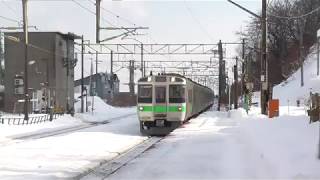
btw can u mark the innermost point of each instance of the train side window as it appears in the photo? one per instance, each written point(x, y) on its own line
point(190, 96)
point(145, 94)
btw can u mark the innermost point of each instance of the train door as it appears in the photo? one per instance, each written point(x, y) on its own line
point(160, 107)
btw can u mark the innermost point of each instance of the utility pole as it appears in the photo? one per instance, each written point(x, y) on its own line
point(111, 74)
point(302, 24)
point(318, 38)
point(243, 67)
point(82, 69)
point(220, 73)
point(97, 54)
point(144, 68)
point(111, 63)
point(26, 41)
point(266, 90)
point(236, 84)
point(1, 57)
point(142, 65)
point(98, 3)
point(264, 64)
point(131, 78)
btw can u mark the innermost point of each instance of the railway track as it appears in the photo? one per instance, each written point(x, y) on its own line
point(108, 167)
point(23, 138)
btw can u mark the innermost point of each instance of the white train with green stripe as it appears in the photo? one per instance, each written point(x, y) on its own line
point(166, 101)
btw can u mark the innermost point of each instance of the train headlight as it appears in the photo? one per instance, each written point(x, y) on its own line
point(141, 108)
point(179, 108)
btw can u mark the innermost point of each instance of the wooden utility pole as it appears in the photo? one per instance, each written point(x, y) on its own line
point(264, 96)
point(98, 3)
point(26, 41)
point(1, 58)
point(318, 38)
point(302, 24)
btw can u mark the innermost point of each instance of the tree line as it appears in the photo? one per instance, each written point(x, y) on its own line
point(291, 31)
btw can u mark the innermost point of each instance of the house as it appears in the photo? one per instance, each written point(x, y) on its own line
point(103, 85)
point(50, 70)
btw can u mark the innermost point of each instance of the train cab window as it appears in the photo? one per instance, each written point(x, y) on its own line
point(160, 94)
point(176, 94)
point(145, 94)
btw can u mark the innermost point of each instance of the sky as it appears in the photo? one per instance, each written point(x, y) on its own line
point(168, 22)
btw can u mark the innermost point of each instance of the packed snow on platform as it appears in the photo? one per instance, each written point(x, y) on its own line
point(240, 146)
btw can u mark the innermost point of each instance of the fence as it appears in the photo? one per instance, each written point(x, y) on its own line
point(32, 120)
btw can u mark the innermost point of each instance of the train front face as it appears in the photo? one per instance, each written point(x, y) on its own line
point(161, 104)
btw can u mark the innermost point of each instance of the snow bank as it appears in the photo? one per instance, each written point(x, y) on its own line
point(101, 110)
point(290, 90)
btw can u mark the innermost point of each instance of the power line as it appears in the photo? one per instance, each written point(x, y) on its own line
point(114, 14)
point(295, 17)
point(10, 19)
point(197, 21)
point(10, 8)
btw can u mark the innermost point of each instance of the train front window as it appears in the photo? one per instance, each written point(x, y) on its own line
point(145, 94)
point(160, 93)
point(176, 94)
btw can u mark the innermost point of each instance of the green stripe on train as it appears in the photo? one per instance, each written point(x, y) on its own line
point(163, 109)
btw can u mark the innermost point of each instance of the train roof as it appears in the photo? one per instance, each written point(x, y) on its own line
point(181, 76)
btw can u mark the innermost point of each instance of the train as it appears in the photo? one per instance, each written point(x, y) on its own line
point(165, 101)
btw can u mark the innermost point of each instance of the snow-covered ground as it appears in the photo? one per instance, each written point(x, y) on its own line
point(69, 154)
point(290, 90)
point(214, 146)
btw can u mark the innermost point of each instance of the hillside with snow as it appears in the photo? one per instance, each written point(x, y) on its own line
point(290, 90)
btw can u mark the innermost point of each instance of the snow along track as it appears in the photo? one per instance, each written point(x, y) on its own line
point(109, 167)
point(22, 138)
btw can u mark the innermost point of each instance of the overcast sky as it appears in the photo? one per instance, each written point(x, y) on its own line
point(169, 21)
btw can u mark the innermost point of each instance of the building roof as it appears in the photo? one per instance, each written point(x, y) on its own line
point(69, 34)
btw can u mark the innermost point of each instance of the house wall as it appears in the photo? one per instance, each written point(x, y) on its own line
point(47, 72)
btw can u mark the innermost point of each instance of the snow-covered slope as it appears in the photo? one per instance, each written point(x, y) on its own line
point(291, 90)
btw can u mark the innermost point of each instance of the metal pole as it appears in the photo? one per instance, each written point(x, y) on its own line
point(91, 85)
point(82, 81)
point(144, 68)
point(111, 63)
point(98, 3)
point(97, 62)
point(220, 73)
point(236, 84)
point(67, 81)
point(142, 73)
point(26, 41)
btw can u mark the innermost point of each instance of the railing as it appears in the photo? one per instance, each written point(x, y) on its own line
point(32, 120)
